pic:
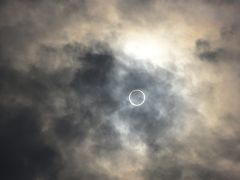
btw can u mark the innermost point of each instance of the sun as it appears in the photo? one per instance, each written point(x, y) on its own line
point(136, 97)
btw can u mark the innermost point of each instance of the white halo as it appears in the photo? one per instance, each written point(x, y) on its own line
point(134, 104)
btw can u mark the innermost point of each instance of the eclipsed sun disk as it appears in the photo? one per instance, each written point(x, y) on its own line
point(136, 97)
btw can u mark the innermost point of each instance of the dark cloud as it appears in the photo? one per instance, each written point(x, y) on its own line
point(90, 84)
point(28, 96)
point(205, 51)
point(25, 153)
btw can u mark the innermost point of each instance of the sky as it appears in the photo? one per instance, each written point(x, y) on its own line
point(67, 69)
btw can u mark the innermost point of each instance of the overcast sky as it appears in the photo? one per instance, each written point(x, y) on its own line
point(66, 71)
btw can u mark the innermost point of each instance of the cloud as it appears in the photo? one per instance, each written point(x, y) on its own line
point(25, 152)
point(65, 81)
point(205, 52)
point(32, 97)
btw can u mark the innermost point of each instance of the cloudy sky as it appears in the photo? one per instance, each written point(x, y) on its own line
point(66, 71)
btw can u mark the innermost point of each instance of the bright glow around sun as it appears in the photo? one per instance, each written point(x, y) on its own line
point(143, 48)
point(147, 47)
point(158, 48)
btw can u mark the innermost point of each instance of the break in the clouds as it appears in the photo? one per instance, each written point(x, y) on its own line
point(66, 71)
